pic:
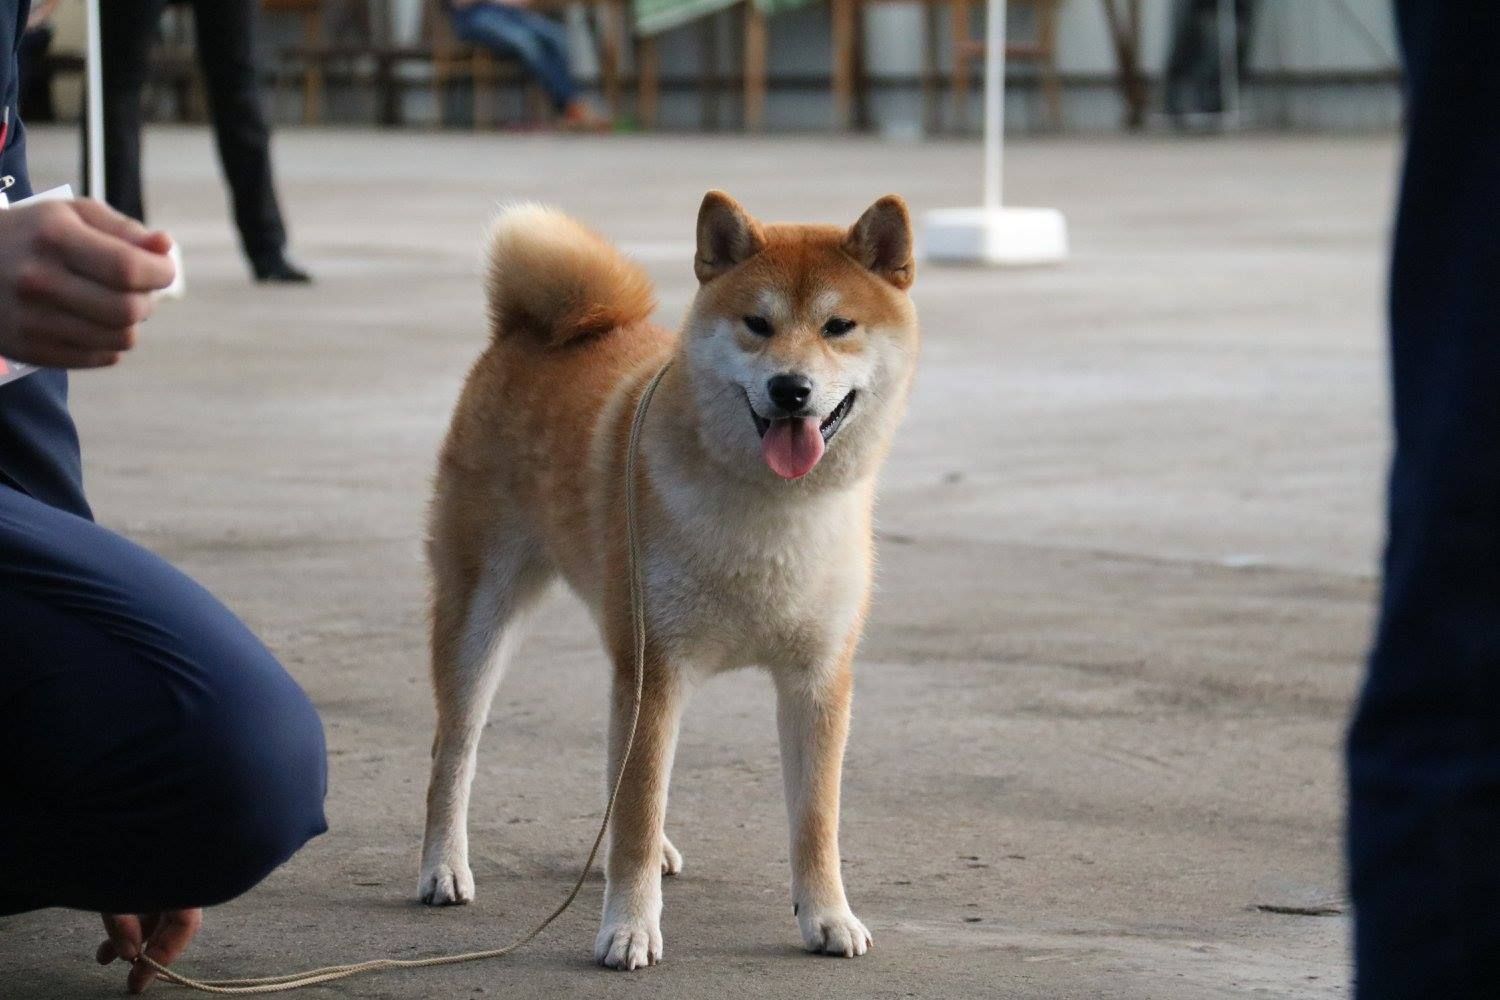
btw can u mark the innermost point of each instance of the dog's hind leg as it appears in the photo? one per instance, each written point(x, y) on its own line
point(671, 857)
point(481, 594)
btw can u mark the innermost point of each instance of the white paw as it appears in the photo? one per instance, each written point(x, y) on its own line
point(833, 931)
point(446, 883)
point(671, 858)
point(628, 944)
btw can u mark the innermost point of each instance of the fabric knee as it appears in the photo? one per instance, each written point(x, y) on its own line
point(262, 798)
point(244, 788)
point(169, 759)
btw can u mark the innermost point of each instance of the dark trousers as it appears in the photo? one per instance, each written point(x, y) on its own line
point(1193, 83)
point(35, 98)
point(226, 53)
point(156, 754)
point(1424, 749)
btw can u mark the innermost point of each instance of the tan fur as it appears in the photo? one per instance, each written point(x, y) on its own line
point(550, 277)
point(742, 567)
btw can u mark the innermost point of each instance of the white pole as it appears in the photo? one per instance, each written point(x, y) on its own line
point(990, 233)
point(94, 183)
point(994, 102)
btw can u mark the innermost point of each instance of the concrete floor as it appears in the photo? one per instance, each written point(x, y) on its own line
point(1128, 535)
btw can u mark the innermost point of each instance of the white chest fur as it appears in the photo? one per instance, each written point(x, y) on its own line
point(741, 576)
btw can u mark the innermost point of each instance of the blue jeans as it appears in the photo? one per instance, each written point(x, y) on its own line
point(1424, 749)
point(538, 41)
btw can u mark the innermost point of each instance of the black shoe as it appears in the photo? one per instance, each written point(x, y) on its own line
point(275, 267)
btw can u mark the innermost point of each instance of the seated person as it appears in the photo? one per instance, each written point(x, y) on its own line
point(508, 28)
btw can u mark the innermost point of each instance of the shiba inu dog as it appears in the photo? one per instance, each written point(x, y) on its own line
point(757, 465)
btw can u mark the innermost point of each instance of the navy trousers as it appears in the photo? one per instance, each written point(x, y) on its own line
point(1424, 748)
point(156, 756)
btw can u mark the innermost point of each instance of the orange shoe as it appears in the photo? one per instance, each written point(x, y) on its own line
point(580, 116)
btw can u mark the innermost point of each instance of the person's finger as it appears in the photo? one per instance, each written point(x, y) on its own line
point(107, 259)
point(53, 352)
point(124, 931)
point(71, 293)
point(45, 326)
point(72, 359)
point(169, 939)
point(105, 219)
point(156, 241)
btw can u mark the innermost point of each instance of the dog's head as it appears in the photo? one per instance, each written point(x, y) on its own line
point(802, 340)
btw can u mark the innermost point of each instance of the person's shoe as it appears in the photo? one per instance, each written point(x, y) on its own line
point(274, 267)
point(580, 116)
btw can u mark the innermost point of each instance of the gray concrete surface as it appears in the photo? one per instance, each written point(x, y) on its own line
point(1128, 536)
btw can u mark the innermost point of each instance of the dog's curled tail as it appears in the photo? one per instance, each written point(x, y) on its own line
point(552, 279)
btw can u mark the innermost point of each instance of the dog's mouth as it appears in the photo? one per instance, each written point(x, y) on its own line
point(831, 424)
point(792, 446)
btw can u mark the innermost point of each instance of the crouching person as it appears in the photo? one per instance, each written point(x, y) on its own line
point(157, 757)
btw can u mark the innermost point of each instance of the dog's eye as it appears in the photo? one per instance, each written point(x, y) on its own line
point(757, 325)
point(838, 326)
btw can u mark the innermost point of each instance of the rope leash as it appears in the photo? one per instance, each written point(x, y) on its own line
point(332, 973)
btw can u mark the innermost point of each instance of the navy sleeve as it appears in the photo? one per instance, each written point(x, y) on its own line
point(38, 442)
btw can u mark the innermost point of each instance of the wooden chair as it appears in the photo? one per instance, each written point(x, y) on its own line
point(310, 12)
point(1125, 37)
point(711, 80)
point(364, 53)
point(344, 37)
point(1040, 50)
point(455, 60)
point(755, 66)
point(849, 82)
point(710, 75)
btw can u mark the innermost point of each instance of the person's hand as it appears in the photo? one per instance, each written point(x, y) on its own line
point(75, 282)
point(164, 936)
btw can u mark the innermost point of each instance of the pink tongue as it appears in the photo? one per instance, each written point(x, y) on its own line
point(792, 447)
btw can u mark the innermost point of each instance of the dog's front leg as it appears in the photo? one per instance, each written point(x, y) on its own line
point(630, 931)
point(812, 713)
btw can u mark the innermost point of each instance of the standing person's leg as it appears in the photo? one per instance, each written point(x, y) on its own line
point(226, 32)
point(34, 95)
point(535, 39)
point(1424, 749)
point(127, 29)
point(160, 757)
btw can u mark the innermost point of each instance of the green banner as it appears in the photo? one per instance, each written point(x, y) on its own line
point(652, 17)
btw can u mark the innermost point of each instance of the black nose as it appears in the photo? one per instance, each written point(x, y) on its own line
point(790, 392)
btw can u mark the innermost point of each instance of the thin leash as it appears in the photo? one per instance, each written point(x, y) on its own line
point(332, 973)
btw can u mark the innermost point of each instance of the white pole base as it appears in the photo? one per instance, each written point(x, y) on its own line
point(998, 236)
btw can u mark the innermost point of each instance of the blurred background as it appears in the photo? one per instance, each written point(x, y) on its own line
point(905, 68)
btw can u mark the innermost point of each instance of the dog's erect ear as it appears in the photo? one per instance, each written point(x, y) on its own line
point(881, 241)
point(726, 236)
